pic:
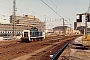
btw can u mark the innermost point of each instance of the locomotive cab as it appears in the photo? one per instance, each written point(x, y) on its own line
point(26, 35)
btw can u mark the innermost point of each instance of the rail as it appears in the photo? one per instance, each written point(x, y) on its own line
point(44, 53)
point(58, 53)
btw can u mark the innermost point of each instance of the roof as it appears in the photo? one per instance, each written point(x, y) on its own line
point(60, 27)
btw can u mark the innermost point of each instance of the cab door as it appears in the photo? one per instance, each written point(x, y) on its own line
point(25, 34)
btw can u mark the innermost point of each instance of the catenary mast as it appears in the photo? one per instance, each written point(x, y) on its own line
point(14, 17)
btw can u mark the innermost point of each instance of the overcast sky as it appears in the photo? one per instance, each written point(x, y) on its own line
point(67, 9)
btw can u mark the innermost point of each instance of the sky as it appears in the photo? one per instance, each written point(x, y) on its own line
point(67, 9)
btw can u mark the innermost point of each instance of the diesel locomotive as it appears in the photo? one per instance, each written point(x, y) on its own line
point(32, 35)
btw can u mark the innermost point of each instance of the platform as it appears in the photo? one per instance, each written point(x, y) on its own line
point(75, 51)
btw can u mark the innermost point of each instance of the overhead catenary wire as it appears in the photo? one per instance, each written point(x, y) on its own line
point(6, 2)
point(5, 9)
point(19, 9)
point(52, 9)
point(57, 7)
point(64, 14)
point(5, 5)
point(57, 14)
point(23, 10)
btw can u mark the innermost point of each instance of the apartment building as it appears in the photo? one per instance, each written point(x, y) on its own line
point(21, 23)
point(28, 21)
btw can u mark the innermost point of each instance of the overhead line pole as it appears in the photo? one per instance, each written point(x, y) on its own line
point(86, 25)
point(63, 27)
point(86, 20)
point(14, 17)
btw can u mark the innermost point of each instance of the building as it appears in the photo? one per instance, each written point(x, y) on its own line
point(76, 32)
point(77, 24)
point(63, 30)
point(81, 29)
point(29, 21)
point(8, 29)
point(21, 23)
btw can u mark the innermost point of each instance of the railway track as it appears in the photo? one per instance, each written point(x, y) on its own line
point(52, 50)
point(15, 49)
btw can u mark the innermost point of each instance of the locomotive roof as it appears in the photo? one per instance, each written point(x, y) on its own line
point(33, 28)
